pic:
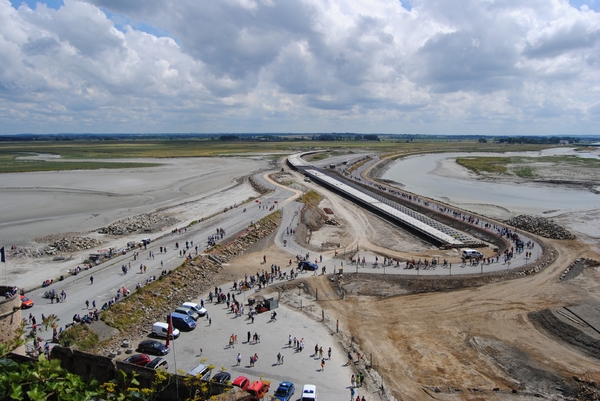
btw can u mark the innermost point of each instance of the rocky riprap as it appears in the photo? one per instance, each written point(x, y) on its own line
point(148, 222)
point(540, 226)
point(72, 244)
point(59, 246)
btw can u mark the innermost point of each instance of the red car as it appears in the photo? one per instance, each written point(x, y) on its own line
point(258, 390)
point(138, 359)
point(26, 303)
point(242, 382)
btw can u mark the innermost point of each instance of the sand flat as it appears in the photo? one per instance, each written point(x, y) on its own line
point(41, 203)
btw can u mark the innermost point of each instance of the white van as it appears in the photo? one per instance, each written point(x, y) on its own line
point(309, 392)
point(160, 329)
point(202, 370)
point(471, 253)
point(195, 307)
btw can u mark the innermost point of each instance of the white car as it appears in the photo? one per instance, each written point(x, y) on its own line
point(309, 392)
point(200, 311)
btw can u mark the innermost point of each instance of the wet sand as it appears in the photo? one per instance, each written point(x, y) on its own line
point(34, 205)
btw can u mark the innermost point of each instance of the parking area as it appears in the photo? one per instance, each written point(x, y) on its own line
point(209, 343)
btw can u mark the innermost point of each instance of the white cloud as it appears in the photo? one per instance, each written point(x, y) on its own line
point(300, 65)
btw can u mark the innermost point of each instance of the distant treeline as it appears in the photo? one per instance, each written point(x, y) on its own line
point(542, 140)
point(270, 137)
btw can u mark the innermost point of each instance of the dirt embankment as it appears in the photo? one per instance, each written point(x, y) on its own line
point(472, 337)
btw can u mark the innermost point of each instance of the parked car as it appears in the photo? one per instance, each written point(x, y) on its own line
point(242, 382)
point(158, 363)
point(138, 359)
point(200, 370)
point(285, 391)
point(309, 392)
point(258, 389)
point(187, 311)
point(161, 329)
point(221, 377)
point(471, 254)
point(197, 308)
point(306, 265)
point(153, 347)
point(182, 322)
point(26, 303)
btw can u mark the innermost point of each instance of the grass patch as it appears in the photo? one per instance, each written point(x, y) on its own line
point(319, 156)
point(10, 164)
point(524, 172)
point(80, 336)
point(524, 167)
point(570, 160)
point(312, 198)
point(484, 164)
point(123, 315)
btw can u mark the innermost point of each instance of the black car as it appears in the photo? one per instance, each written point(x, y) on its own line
point(158, 363)
point(153, 347)
point(221, 377)
point(285, 391)
point(306, 265)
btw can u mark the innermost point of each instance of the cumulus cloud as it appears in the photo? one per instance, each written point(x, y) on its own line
point(301, 65)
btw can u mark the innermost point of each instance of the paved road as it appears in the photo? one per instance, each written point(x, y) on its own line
point(109, 277)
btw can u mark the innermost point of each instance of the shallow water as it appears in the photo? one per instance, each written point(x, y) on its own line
point(417, 175)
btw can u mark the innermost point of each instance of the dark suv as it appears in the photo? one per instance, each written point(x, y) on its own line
point(306, 265)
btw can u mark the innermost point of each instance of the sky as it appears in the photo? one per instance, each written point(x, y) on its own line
point(484, 67)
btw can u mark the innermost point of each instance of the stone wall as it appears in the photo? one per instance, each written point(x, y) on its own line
point(104, 369)
point(10, 316)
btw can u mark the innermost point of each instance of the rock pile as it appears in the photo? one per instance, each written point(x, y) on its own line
point(72, 244)
point(238, 246)
point(148, 222)
point(540, 226)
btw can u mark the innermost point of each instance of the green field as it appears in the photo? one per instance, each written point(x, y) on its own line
point(102, 151)
point(525, 167)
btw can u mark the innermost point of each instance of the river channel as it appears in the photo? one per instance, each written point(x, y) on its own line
point(437, 176)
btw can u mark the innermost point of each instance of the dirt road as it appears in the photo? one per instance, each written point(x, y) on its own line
point(475, 343)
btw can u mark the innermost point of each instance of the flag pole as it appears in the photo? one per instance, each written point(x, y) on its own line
point(3, 259)
point(169, 334)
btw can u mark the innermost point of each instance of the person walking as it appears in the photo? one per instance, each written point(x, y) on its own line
point(353, 381)
point(239, 359)
point(87, 304)
point(322, 364)
point(329, 354)
point(91, 280)
point(279, 358)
